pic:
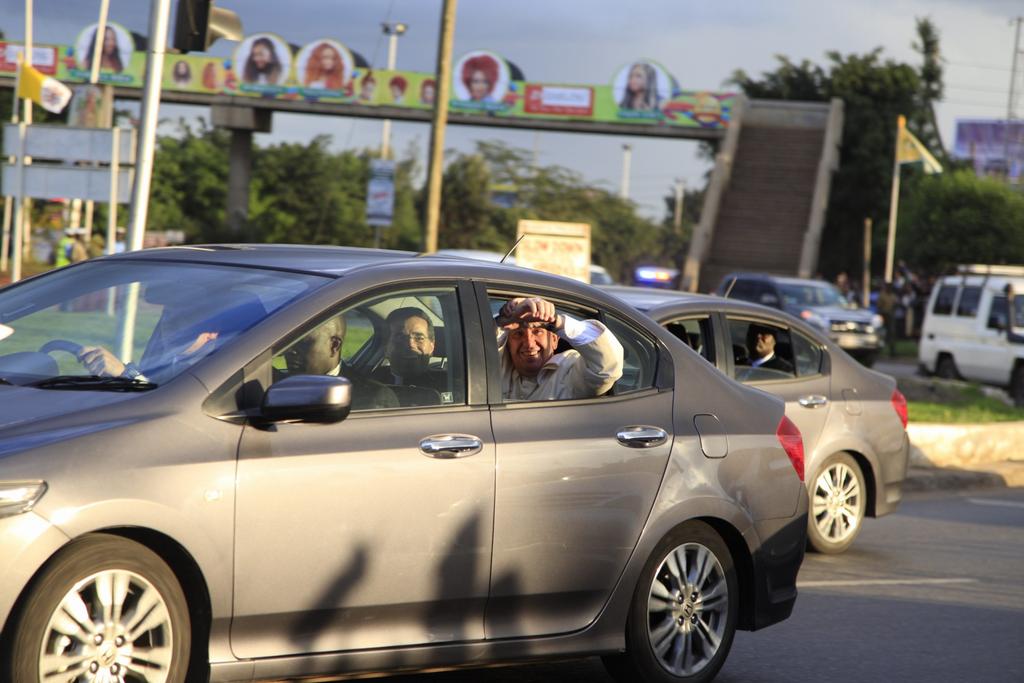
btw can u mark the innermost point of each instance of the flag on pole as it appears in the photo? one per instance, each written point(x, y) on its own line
point(47, 92)
point(910, 150)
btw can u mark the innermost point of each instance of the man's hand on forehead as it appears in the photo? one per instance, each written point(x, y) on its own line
point(524, 311)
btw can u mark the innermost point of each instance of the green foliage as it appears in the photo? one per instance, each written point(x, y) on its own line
point(190, 179)
point(956, 217)
point(967, 406)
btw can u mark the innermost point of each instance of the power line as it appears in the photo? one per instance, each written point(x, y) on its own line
point(975, 88)
point(991, 67)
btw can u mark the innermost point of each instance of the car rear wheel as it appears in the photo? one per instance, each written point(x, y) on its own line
point(838, 504)
point(105, 609)
point(683, 617)
point(946, 368)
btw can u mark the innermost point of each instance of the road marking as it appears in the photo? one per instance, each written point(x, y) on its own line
point(1001, 503)
point(881, 582)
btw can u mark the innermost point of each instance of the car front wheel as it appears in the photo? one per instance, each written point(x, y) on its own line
point(105, 609)
point(683, 617)
point(838, 504)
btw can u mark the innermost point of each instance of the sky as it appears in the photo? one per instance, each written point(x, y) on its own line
point(587, 41)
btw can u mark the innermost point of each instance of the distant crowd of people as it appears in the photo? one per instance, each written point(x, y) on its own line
point(901, 303)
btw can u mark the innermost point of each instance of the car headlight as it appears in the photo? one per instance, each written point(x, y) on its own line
point(877, 322)
point(814, 319)
point(17, 497)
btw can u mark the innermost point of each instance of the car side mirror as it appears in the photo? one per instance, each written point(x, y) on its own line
point(769, 299)
point(318, 399)
point(997, 323)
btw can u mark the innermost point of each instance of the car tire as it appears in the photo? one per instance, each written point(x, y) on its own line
point(62, 620)
point(838, 503)
point(945, 368)
point(1017, 385)
point(682, 620)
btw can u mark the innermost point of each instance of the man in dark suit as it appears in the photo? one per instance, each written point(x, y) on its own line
point(761, 349)
point(411, 344)
point(319, 353)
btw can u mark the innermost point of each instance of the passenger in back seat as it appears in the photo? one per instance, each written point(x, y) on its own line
point(410, 346)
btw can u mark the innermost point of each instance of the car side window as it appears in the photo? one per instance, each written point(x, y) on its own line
point(761, 351)
point(967, 307)
point(999, 313)
point(746, 290)
point(807, 356)
point(639, 357)
point(400, 350)
point(944, 300)
point(696, 333)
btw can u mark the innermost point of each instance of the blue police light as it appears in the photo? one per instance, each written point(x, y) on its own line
point(655, 276)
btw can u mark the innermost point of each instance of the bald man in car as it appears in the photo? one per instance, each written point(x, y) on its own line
point(529, 330)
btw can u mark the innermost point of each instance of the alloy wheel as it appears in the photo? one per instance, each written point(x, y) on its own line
point(837, 503)
point(113, 625)
point(688, 608)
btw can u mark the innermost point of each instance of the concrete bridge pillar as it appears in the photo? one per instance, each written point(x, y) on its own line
point(242, 122)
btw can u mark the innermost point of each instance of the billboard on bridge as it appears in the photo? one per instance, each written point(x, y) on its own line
point(266, 66)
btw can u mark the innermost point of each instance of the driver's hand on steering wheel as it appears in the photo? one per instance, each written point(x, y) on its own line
point(101, 362)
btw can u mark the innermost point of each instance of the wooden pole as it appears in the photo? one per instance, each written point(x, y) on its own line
point(440, 121)
point(866, 286)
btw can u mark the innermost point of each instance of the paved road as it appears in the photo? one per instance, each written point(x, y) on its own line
point(933, 593)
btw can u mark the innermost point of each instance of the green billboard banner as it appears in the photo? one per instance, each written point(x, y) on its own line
point(266, 66)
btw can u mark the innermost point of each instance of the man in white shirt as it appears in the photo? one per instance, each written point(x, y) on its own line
point(528, 333)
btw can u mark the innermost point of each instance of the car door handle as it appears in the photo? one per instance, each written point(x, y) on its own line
point(812, 401)
point(642, 437)
point(447, 446)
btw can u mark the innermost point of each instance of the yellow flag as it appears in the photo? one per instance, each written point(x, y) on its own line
point(910, 150)
point(47, 92)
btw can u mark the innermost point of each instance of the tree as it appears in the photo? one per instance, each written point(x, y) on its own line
point(956, 217)
point(931, 87)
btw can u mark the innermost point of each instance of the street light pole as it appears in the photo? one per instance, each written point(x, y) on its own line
point(392, 30)
point(1010, 113)
point(159, 13)
point(627, 154)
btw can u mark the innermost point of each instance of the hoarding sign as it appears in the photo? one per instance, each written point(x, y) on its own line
point(380, 192)
point(555, 247)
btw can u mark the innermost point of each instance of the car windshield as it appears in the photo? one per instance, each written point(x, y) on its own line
point(815, 294)
point(141, 321)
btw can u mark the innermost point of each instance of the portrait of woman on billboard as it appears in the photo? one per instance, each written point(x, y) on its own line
point(324, 65)
point(428, 91)
point(480, 76)
point(642, 86)
point(115, 50)
point(264, 58)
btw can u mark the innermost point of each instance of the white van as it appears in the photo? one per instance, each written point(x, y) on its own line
point(974, 327)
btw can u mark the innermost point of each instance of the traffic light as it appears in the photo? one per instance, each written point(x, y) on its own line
point(198, 24)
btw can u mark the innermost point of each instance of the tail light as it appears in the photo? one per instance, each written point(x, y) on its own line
point(899, 404)
point(793, 443)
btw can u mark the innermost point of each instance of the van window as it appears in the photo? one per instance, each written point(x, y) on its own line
point(998, 313)
point(968, 305)
point(944, 300)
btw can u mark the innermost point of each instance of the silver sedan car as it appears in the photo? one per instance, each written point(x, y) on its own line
point(853, 420)
point(220, 463)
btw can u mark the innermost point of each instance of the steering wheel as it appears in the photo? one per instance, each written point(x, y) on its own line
point(61, 345)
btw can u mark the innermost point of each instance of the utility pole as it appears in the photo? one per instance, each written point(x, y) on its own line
point(627, 154)
point(1010, 113)
point(438, 124)
point(677, 216)
point(392, 30)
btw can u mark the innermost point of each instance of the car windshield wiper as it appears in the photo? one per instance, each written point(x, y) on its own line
point(94, 383)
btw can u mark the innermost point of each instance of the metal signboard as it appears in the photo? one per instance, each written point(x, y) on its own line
point(69, 182)
point(71, 144)
point(554, 247)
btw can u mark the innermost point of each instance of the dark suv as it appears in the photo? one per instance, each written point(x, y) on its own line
point(856, 330)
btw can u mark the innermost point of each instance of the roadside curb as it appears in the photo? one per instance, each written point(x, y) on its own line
point(921, 479)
